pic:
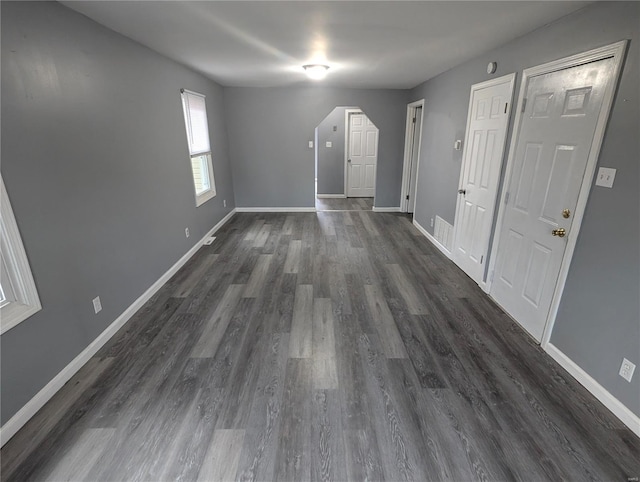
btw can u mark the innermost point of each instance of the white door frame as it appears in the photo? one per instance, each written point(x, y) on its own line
point(615, 51)
point(347, 113)
point(412, 107)
point(511, 78)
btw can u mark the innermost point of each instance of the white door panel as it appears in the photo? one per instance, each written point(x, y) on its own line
point(553, 144)
point(362, 156)
point(356, 143)
point(372, 143)
point(480, 173)
point(355, 177)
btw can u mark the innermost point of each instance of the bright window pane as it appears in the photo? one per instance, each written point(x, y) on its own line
point(7, 294)
point(201, 178)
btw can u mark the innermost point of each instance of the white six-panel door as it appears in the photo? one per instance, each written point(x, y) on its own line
point(560, 116)
point(487, 125)
point(362, 156)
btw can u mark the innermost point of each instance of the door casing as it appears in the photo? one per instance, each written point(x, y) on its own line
point(615, 51)
point(412, 107)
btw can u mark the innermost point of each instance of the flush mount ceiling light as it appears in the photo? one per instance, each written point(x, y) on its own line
point(316, 71)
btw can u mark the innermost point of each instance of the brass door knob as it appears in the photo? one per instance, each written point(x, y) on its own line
point(559, 232)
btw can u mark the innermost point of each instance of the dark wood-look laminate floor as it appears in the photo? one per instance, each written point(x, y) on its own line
point(344, 204)
point(321, 346)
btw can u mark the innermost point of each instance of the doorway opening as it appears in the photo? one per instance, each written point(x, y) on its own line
point(346, 154)
point(413, 140)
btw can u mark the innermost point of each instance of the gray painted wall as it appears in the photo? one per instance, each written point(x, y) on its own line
point(599, 321)
point(331, 159)
point(269, 130)
point(95, 160)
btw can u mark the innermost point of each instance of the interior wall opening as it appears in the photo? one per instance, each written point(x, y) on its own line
point(346, 156)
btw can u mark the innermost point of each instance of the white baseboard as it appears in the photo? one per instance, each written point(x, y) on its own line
point(276, 210)
point(433, 240)
point(386, 210)
point(23, 415)
point(331, 196)
point(625, 415)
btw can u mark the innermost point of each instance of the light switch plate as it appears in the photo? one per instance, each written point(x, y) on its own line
point(310, 144)
point(605, 178)
point(328, 144)
point(97, 305)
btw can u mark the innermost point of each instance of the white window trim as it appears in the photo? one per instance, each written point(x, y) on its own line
point(24, 288)
point(211, 192)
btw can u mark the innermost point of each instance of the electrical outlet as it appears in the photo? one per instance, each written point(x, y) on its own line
point(186, 232)
point(97, 305)
point(431, 222)
point(606, 176)
point(626, 369)
point(224, 203)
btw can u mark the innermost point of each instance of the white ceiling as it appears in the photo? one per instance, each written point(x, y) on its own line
point(368, 44)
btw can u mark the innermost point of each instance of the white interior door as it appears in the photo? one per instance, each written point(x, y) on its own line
point(362, 156)
point(550, 157)
point(480, 173)
point(415, 154)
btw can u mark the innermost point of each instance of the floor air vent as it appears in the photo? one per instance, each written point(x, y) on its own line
point(443, 232)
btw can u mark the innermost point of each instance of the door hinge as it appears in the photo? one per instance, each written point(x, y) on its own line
point(414, 120)
point(505, 107)
point(524, 104)
point(506, 198)
point(407, 197)
point(481, 258)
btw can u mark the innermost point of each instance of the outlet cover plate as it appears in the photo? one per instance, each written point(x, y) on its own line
point(606, 176)
point(626, 369)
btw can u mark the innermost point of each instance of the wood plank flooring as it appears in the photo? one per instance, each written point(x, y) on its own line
point(344, 204)
point(321, 346)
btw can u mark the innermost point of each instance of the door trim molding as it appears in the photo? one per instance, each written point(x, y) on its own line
point(505, 79)
point(615, 51)
point(408, 144)
point(347, 113)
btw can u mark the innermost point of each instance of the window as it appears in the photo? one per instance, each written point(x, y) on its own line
point(195, 119)
point(18, 295)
